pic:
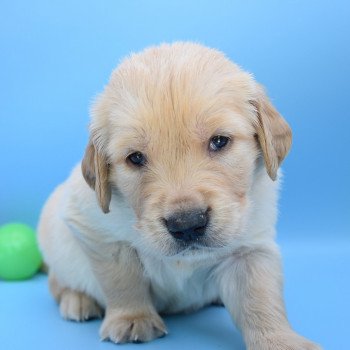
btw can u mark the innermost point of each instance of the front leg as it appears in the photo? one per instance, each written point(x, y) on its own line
point(251, 289)
point(130, 314)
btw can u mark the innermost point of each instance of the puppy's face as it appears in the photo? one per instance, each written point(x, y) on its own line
point(178, 132)
point(186, 178)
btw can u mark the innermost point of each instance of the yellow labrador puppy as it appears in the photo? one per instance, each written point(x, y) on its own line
point(174, 204)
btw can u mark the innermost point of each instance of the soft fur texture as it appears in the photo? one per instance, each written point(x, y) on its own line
point(102, 232)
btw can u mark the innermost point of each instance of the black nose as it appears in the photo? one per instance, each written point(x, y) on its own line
point(187, 225)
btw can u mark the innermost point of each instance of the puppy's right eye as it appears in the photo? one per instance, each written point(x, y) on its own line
point(137, 158)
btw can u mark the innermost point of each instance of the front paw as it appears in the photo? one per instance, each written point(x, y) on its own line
point(136, 327)
point(281, 341)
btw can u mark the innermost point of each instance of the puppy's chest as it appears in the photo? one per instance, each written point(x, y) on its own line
point(179, 286)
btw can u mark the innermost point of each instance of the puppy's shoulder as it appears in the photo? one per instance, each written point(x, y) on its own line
point(80, 208)
point(264, 198)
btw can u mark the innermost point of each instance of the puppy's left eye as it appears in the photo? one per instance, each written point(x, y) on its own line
point(218, 142)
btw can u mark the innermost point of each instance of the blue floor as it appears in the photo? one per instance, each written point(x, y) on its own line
point(317, 291)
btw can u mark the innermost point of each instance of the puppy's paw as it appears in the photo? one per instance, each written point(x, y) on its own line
point(76, 306)
point(282, 341)
point(123, 328)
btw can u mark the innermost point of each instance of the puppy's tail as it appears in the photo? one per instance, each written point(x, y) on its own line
point(44, 268)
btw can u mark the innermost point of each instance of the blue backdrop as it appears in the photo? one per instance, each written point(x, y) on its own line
point(55, 56)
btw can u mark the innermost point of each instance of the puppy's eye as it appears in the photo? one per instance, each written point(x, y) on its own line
point(137, 159)
point(218, 142)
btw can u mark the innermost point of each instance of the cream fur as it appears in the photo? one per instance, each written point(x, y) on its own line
point(102, 234)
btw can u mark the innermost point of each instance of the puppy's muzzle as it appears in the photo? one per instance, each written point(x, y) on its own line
point(187, 225)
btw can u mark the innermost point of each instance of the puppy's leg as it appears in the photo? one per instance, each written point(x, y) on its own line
point(130, 314)
point(74, 305)
point(251, 289)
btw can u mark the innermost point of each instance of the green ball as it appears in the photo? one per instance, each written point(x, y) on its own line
point(19, 253)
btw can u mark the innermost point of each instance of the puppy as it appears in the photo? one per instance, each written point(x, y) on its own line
point(174, 204)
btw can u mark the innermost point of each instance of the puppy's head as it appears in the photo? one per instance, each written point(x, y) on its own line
point(178, 132)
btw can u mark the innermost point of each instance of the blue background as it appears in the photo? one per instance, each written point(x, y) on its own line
point(55, 56)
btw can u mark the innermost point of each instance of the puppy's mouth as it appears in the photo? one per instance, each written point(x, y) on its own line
point(192, 246)
point(195, 247)
point(205, 239)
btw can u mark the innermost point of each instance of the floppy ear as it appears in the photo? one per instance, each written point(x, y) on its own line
point(95, 169)
point(273, 132)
